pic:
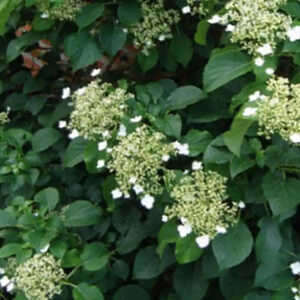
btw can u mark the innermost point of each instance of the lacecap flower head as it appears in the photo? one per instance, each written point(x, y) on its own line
point(139, 161)
point(257, 25)
point(199, 203)
point(98, 109)
point(61, 10)
point(202, 7)
point(156, 25)
point(280, 111)
point(39, 277)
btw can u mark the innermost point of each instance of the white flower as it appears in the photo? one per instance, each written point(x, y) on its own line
point(249, 111)
point(294, 290)
point(182, 149)
point(62, 124)
point(197, 165)
point(102, 145)
point(183, 220)
point(116, 193)
point(109, 150)
point(295, 138)
point(36, 214)
point(136, 119)
point(259, 61)
point(164, 218)
point(270, 71)
point(10, 287)
point(147, 201)
point(221, 229)
point(295, 267)
point(44, 15)
point(125, 30)
point(297, 297)
point(81, 91)
point(165, 157)
point(254, 96)
point(74, 134)
point(162, 37)
point(266, 49)
point(100, 163)
point(4, 281)
point(122, 130)
point(95, 72)
point(230, 28)
point(241, 205)
point(214, 19)
point(2, 271)
point(274, 101)
point(184, 229)
point(66, 93)
point(45, 248)
point(132, 180)
point(138, 189)
point(186, 9)
point(294, 33)
point(203, 241)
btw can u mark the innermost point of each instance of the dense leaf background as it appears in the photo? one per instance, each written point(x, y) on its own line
point(195, 87)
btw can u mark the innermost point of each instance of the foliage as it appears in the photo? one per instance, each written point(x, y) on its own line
point(149, 149)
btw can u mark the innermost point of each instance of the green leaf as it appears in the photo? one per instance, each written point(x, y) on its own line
point(85, 291)
point(167, 234)
point(95, 256)
point(183, 97)
point(10, 249)
point(45, 138)
point(7, 219)
point(81, 213)
point(88, 14)
point(82, 49)
point(181, 48)
point(75, 152)
point(282, 194)
point(170, 125)
point(147, 62)
point(201, 33)
point(132, 292)
point(6, 8)
point(48, 198)
point(198, 141)
point(235, 136)
point(148, 265)
point(71, 259)
point(233, 247)
point(42, 24)
point(112, 38)
point(121, 269)
point(188, 282)
point(16, 46)
point(224, 66)
point(187, 250)
point(239, 165)
point(129, 12)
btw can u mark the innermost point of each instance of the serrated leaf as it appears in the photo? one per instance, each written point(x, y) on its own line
point(224, 66)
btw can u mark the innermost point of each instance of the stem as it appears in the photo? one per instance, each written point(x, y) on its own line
point(73, 271)
point(69, 284)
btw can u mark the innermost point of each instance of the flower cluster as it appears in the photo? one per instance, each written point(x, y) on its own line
point(199, 205)
point(98, 109)
point(256, 25)
point(4, 118)
point(280, 112)
point(194, 7)
point(39, 277)
point(156, 25)
point(61, 10)
point(138, 161)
